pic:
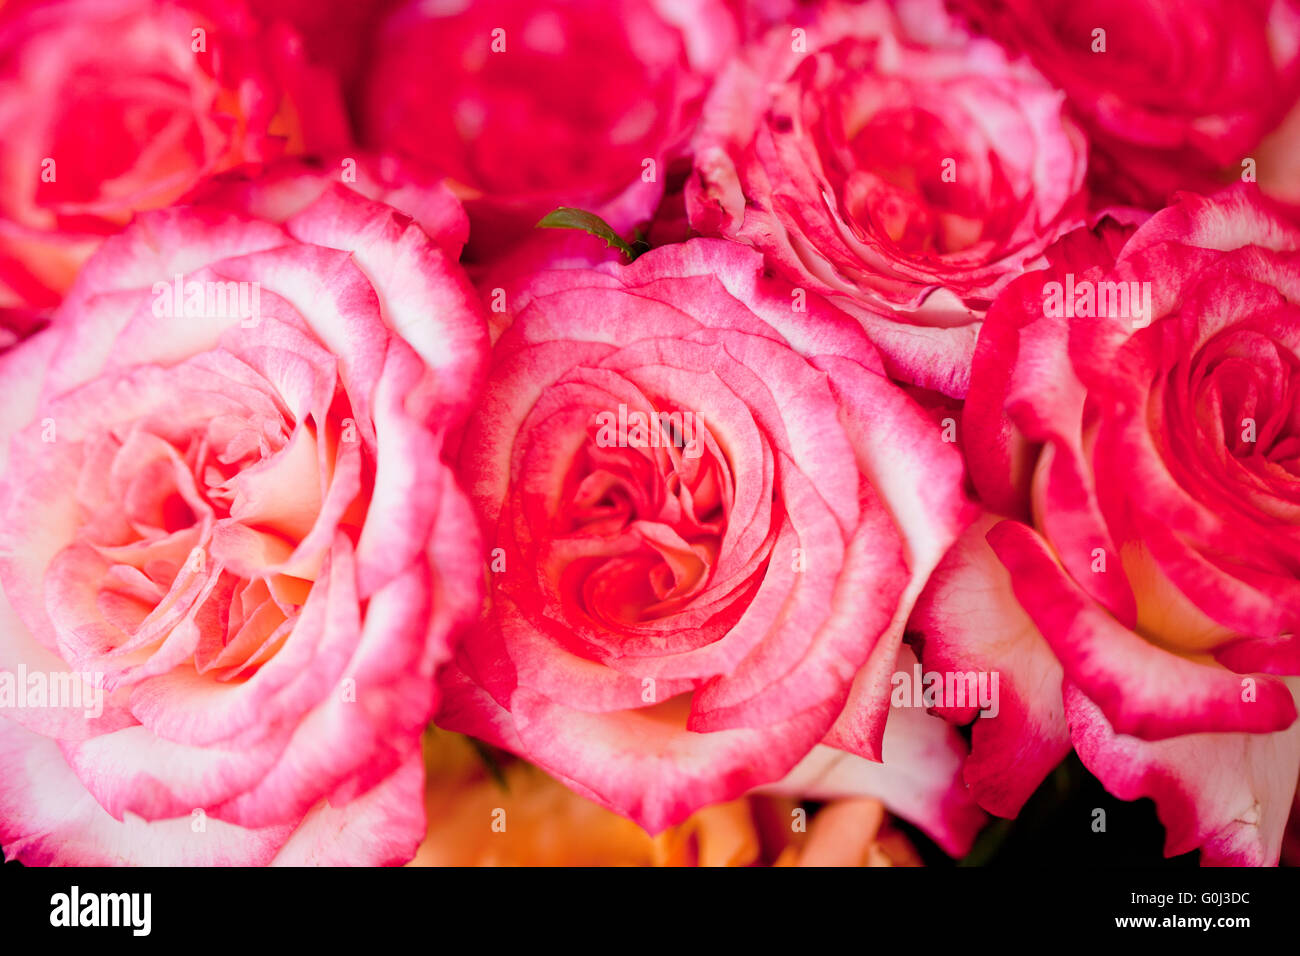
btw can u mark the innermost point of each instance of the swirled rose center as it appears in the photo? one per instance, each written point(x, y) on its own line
point(650, 489)
point(905, 164)
point(1243, 386)
point(186, 549)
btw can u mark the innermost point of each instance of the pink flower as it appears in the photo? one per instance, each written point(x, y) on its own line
point(337, 34)
point(109, 107)
point(16, 324)
point(526, 108)
point(756, 17)
point(1136, 413)
point(708, 515)
point(227, 538)
point(1174, 95)
point(882, 156)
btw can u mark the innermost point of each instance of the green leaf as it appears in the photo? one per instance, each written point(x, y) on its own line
point(490, 762)
point(565, 217)
point(987, 844)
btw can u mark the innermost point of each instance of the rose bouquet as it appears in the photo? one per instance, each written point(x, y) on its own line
point(631, 431)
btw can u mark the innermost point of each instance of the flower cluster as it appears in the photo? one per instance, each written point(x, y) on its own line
point(899, 396)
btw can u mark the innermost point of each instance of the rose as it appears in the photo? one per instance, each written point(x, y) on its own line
point(226, 532)
point(1147, 435)
point(280, 190)
point(16, 324)
point(526, 109)
point(880, 155)
point(1173, 96)
point(681, 609)
point(111, 108)
point(550, 825)
point(336, 33)
point(756, 17)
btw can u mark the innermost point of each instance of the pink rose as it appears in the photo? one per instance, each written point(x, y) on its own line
point(16, 324)
point(525, 108)
point(280, 190)
point(708, 514)
point(108, 107)
point(756, 17)
point(1136, 413)
point(337, 34)
point(229, 549)
point(1174, 95)
point(882, 156)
